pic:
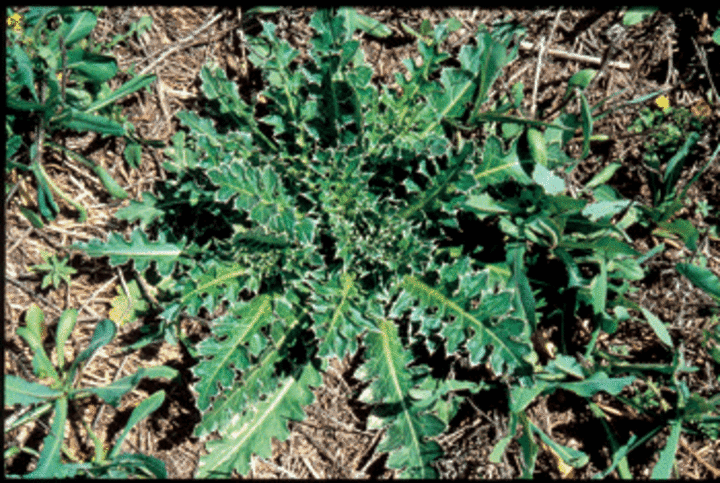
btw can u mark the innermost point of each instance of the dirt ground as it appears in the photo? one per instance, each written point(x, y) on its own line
point(333, 442)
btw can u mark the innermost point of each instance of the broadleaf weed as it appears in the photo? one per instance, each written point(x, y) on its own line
point(338, 216)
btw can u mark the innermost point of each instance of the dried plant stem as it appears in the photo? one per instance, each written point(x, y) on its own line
point(577, 57)
point(703, 59)
point(715, 472)
point(533, 108)
point(182, 43)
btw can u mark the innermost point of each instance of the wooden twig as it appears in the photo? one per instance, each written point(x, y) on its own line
point(543, 45)
point(577, 57)
point(533, 107)
point(703, 59)
point(279, 468)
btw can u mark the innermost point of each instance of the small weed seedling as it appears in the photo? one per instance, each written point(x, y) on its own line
point(58, 390)
point(55, 270)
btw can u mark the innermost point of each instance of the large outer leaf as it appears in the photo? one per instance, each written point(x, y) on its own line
point(216, 370)
point(139, 249)
point(258, 192)
point(251, 432)
point(509, 337)
point(496, 166)
point(256, 379)
point(408, 428)
point(206, 287)
point(338, 320)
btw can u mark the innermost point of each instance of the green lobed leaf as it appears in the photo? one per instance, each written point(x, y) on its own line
point(215, 371)
point(525, 301)
point(207, 288)
point(496, 166)
point(144, 210)
point(250, 432)
point(408, 429)
point(338, 320)
point(509, 337)
point(139, 249)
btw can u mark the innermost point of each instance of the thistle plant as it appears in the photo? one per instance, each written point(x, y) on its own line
point(336, 218)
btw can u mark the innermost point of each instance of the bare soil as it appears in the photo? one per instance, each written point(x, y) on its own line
point(333, 442)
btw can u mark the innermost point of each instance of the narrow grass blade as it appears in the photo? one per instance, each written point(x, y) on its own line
point(658, 327)
point(143, 410)
point(587, 124)
point(125, 90)
point(663, 468)
point(571, 456)
point(49, 462)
